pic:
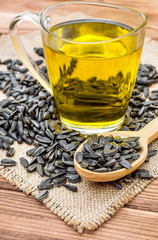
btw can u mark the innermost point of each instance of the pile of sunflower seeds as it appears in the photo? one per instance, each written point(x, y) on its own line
point(143, 106)
point(106, 154)
point(29, 115)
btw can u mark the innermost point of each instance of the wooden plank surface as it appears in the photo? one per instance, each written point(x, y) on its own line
point(23, 218)
point(8, 9)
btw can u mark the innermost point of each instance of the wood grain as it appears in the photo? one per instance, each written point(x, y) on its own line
point(24, 218)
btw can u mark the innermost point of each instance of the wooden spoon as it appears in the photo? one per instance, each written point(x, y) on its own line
point(146, 134)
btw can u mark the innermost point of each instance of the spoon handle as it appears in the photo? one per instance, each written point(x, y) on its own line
point(150, 131)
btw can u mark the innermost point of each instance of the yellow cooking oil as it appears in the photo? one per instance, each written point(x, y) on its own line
point(92, 66)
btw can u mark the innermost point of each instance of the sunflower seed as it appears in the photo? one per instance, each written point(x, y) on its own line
point(110, 163)
point(74, 178)
point(59, 181)
point(118, 139)
point(110, 152)
point(100, 170)
point(35, 123)
point(151, 152)
point(6, 139)
point(6, 146)
point(38, 151)
point(40, 160)
point(31, 151)
point(144, 171)
point(125, 145)
point(53, 176)
point(8, 162)
point(67, 163)
point(31, 168)
point(101, 139)
point(116, 184)
point(45, 186)
point(84, 164)
point(47, 173)
point(67, 157)
point(39, 62)
point(71, 146)
point(135, 156)
point(145, 176)
point(46, 180)
point(51, 167)
point(39, 169)
point(107, 146)
point(20, 128)
point(43, 139)
point(42, 195)
point(24, 162)
point(125, 164)
point(71, 187)
point(125, 157)
point(117, 155)
point(146, 92)
point(87, 148)
point(10, 152)
point(117, 166)
point(49, 134)
point(89, 155)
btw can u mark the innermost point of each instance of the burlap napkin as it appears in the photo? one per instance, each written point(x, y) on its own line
point(94, 203)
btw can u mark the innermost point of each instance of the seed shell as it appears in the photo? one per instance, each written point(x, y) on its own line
point(39, 169)
point(71, 187)
point(151, 152)
point(31, 168)
point(10, 152)
point(74, 178)
point(45, 186)
point(125, 164)
point(8, 162)
point(100, 170)
point(42, 195)
point(60, 181)
point(24, 162)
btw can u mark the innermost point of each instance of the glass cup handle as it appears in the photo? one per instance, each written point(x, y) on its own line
point(27, 60)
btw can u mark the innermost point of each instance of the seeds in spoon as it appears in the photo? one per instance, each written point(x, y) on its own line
point(125, 164)
point(79, 157)
point(114, 153)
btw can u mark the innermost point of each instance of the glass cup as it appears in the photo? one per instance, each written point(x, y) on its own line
point(92, 53)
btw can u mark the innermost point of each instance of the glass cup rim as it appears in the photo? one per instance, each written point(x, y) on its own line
point(44, 10)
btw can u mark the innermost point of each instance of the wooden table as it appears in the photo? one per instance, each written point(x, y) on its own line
point(24, 218)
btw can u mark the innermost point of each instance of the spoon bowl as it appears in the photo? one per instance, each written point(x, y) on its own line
point(147, 135)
